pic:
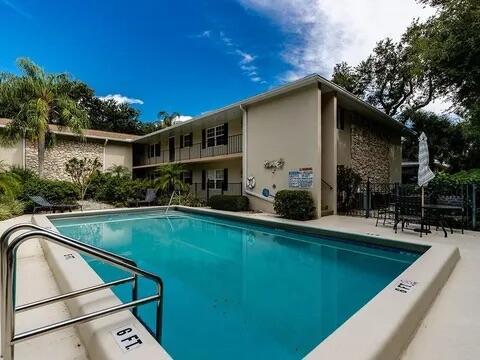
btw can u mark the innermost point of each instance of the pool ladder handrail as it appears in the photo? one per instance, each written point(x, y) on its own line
point(171, 199)
point(8, 253)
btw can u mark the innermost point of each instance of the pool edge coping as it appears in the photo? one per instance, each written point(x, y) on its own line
point(398, 314)
point(72, 273)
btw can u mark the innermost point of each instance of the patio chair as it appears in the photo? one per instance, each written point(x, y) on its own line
point(453, 216)
point(410, 212)
point(150, 199)
point(40, 203)
point(387, 209)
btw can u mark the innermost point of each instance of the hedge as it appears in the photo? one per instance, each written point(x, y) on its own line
point(229, 202)
point(294, 204)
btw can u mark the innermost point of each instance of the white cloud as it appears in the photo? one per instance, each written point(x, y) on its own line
point(12, 5)
point(246, 62)
point(321, 33)
point(246, 57)
point(203, 34)
point(181, 118)
point(120, 99)
point(226, 40)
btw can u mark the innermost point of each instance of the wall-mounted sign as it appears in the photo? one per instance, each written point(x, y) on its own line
point(301, 178)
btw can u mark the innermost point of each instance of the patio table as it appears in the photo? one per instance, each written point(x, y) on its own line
point(438, 211)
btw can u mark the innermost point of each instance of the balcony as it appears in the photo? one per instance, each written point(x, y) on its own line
point(192, 153)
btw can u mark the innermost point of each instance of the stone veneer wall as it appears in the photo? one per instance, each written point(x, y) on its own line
point(57, 156)
point(370, 153)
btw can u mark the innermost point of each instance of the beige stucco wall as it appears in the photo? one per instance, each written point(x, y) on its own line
point(118, 154)
point(344, 142)
point(396, 159)
point(329, 152)
point(12, 155)
point(284, 127)
point(234, 128)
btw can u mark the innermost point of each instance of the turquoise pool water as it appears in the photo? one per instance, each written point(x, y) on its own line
point(236, 290)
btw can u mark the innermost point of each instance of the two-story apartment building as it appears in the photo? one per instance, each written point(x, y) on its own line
point(310, 126)
point(291, 137)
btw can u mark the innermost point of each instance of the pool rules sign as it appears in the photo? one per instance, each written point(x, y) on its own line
point(301, 178)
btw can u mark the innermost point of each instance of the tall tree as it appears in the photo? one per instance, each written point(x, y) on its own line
point(449, 43)
point(391, 78)
point(37, 99)
point(446, 140)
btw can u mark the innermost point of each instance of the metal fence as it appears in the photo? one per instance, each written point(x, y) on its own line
point(204, 192)
point(371, 197)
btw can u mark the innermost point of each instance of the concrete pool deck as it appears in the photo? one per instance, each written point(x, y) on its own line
point(447, 332)
point(451, 327)
point(36, 281)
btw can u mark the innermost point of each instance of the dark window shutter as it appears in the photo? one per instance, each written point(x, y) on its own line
point(225, 134)
point(225, 180)
point(190, 180)
point(148, 150)
point(181, 141)
point(204, 179)
point(204, 138)
point(181, 176)
point(191, 140)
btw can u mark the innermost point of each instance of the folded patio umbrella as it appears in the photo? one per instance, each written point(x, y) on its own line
point(425, 175)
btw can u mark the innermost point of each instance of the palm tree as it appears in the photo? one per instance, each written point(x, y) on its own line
point(170, 178)
point(165, 119)
point(39, 99)
point(9, 182)
point(119, 171)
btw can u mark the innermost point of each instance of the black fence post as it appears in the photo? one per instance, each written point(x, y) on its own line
point(367, 199)
point(474, 206)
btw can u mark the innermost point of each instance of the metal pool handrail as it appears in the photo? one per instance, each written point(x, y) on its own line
point(8, 286)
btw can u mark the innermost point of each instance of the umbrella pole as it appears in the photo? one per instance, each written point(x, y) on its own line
point(423, 204)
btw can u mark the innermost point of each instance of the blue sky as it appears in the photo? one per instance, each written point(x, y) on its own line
point(193, 56)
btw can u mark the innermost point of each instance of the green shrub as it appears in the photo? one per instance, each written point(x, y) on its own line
point(294, 204)
point(55, 191)
point(117, 190)
point(10, 208)
point(186, 199)
point(348, 182)
point(229, 202)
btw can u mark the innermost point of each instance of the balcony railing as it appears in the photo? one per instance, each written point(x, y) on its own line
point(196, 151)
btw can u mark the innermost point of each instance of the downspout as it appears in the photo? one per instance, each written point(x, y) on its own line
point(104, 153)
point(24, 152)
point(244, 157)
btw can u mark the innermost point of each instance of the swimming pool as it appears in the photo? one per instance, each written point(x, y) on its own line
point(239, 290)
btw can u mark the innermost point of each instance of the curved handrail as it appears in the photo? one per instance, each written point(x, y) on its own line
point(11, 230)
point(326, 183)
point(8, 257)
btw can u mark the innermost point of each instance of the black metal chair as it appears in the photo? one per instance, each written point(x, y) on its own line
point(387, 208)
point(452, 216)
point(40, 203)
point(150, 199)
point(409, 211)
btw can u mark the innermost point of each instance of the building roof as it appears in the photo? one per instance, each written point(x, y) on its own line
point(88, 133)
point(294, 85)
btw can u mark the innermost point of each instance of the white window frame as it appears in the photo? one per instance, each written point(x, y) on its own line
point(218, 132)
point(212, 175)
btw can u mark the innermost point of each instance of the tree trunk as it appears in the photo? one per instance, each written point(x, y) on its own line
point(41, 152)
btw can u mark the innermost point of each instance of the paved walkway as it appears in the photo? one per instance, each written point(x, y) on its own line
point(35, 281)
point(451, 328)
